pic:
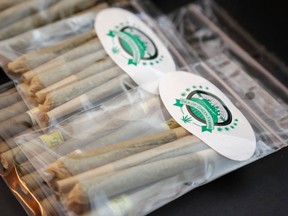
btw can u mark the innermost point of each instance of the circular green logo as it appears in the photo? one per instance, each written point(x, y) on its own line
point(217, 109)
point(148, 50)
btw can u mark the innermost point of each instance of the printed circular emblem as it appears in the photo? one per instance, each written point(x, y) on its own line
point(134, 47)
point(205, 108)
point(217, 109)
point(146, 47)
point(202, 109)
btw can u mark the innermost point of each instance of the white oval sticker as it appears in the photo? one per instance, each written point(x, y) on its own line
point(134, 47)
point(201, 108)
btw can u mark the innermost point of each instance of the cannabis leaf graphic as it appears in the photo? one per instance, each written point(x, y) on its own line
point(186, 119)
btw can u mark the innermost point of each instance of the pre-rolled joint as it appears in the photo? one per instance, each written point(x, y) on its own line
point(35, 86)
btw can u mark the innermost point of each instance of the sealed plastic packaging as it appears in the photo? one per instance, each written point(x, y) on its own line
point(61, 68)
point(135, 161)
point(44, 24)
point(47, 34)
point(58, 65)
point(128, 156)
point(105, 131)
point(233, 61)
point(112, 178)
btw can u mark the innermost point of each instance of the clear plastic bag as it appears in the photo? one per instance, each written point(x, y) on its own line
point(124, 154)
point(60, 68)
point(225, 60)
point(57, 21)
point(111, 130)
point(134, 163)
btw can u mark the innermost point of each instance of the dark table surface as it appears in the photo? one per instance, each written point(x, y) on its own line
point(260, 188)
